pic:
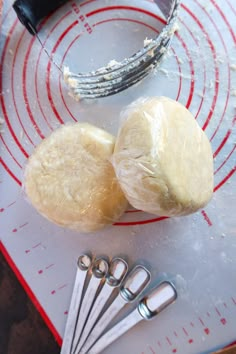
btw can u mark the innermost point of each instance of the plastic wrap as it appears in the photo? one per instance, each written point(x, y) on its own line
point(70, 180)
point(162, 158)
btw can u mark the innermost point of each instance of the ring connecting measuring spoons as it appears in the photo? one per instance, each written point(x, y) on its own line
point(84, 263)
point(99, 271)
point(135, 283)
point(150, 306)
point(117, 271)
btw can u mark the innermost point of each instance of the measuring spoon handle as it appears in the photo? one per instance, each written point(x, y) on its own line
point(115, 332)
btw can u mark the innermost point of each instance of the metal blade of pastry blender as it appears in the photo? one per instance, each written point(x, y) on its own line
point(117, 271)
point(99, 272)
point(150, 306)
point(135, 283)
point(83, 264)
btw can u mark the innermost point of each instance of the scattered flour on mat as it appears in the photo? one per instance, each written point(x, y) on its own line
point(112, 62)
point(233, 93)
point(1, 126)
point(233, 67)
point(181, 285)
point(175, 28)
point(147, 41)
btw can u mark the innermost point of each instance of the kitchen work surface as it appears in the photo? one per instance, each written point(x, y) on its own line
point(196, 252)
point(22, 330)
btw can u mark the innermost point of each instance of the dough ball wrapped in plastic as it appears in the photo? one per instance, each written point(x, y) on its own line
point(162, 158)
point(69, 178)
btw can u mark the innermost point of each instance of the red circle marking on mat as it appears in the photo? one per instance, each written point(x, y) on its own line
point(10, 128)
point(204, 67)
point(227, 99)
point(228, 176)
point(192, 73)
point(8, 170)
point(24, 73)
point(41, 51)
point(6, 14)
point(216, 84)
point(49, 69)
point(12, 87)
point(216, 66)
point(14, 102)
point(226, 21)
point(223, 163)
point(227, 135)
point(204, 77)
point(9, 151)
point(229, 73)
point(59, 79)
point(2, 97)
point(142, 222)
point(231, 7)
point(126, 19)
point(110, 8)
point(180, 74)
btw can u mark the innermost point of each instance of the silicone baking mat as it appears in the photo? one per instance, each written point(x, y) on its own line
point(196, 252)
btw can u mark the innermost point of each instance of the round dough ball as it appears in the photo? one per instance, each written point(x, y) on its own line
point(162, 158)
point(70, 180)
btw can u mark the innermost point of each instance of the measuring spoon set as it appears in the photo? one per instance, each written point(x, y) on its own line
point(101, 290)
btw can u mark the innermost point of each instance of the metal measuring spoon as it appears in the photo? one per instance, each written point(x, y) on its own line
point(117, 271)
point(83, 265)
point(99, 272)
point(134, 284)
point(150, 306)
